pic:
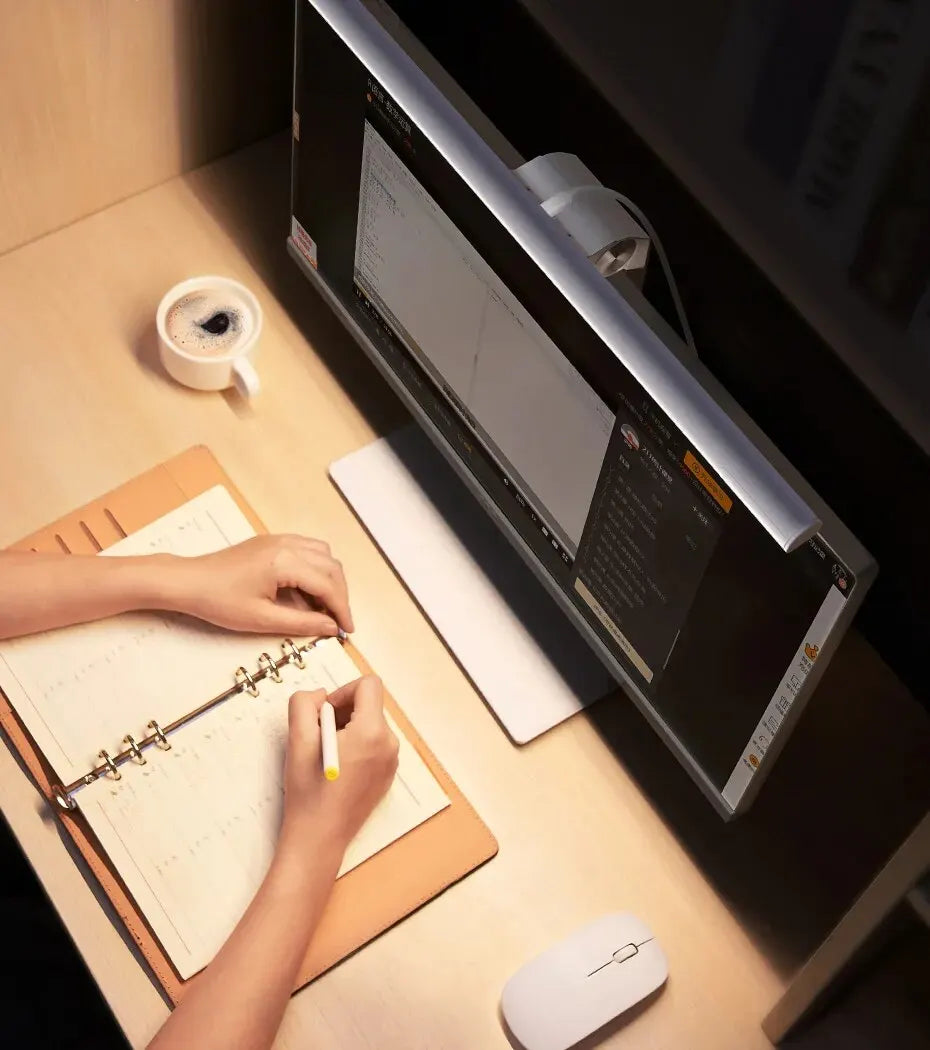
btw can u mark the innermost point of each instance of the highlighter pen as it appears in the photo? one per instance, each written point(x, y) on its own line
point(328, 736)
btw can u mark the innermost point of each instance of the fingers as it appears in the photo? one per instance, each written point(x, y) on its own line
point(369, 700)
point(316, 573)
point(303, 719)
point(276, 618)
point(318, 546)
point(329, 586)
point(362, 701)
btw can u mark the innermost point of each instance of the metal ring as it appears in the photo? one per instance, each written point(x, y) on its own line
point(112, 771)
point(63, 798)
point(246, 681)
point(160, 739)
point(270, 668)
point(134, 749)
point(293, 653)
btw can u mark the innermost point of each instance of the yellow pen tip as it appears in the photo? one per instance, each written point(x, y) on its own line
point(331, 774)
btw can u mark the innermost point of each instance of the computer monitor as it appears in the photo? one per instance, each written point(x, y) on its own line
point(699, 566)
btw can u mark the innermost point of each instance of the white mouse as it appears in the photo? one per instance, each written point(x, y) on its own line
point(583, 982)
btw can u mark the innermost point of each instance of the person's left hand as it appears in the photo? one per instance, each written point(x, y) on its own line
point(239, 587)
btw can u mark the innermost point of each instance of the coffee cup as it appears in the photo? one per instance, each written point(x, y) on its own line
point(208, 333)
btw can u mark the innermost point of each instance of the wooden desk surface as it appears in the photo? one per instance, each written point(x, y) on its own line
point(595, 816)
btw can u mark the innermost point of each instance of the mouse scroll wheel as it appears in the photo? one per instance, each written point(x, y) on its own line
point(626, 952)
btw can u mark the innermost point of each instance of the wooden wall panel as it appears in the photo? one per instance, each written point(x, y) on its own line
point(102, 98)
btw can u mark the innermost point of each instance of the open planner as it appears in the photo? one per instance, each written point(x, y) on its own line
point(164, 738)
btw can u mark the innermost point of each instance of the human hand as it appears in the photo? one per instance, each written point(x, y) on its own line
point(316, 808)
point(239, 587)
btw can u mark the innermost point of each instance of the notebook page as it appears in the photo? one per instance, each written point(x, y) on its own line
point(83, 688)
point(192, 832)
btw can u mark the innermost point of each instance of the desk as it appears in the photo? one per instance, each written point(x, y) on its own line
point(84, 406)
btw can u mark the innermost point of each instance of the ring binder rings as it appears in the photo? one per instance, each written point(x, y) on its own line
point(296, 654)
point(366, 900)
point(160, 739)
point(108, 767)
point(246, 682)
point(266, 663)
point(134, 750)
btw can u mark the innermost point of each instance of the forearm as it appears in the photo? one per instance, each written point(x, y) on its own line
point(237, 1003)
point(41, 591)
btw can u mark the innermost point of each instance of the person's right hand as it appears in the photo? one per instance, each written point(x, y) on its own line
point(314, 806)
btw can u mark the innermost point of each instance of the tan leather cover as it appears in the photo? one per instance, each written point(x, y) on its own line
point(367, 900)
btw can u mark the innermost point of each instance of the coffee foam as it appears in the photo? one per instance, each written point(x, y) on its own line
point(209, 323)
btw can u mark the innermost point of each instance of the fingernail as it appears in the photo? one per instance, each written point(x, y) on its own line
point(330, 627)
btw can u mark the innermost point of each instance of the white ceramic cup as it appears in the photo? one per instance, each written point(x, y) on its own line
point(212, 371)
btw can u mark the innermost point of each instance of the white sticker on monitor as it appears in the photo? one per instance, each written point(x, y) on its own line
point(305, 243)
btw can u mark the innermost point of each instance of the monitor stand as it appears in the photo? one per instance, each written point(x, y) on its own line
point(522, 653)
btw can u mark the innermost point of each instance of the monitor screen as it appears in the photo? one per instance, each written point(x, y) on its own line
point(779, 148)
point(683, 592)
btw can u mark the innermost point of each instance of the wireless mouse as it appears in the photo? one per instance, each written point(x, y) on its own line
point(583, 982)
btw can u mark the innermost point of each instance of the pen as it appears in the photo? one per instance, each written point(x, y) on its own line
point(330, 745)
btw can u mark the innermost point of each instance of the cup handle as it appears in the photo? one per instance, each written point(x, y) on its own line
point(245, 378)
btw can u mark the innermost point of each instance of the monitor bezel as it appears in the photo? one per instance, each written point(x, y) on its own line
point(406, 63)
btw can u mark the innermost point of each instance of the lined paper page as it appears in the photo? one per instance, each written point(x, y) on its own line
point(192, 831)
point(83, 688)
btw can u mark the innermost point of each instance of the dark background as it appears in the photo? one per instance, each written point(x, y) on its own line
point(847, 446)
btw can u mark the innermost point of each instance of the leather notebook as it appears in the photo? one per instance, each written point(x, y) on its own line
point(403, 859)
